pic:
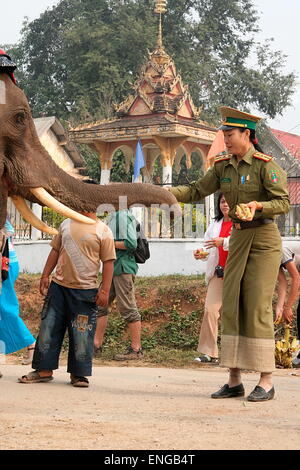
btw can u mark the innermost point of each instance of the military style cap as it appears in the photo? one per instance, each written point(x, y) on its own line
point(232, 118)
point(7, 65)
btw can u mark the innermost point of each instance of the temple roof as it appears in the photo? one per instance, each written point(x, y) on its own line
point(159, 89)
point(131, 127)
point(160, 105)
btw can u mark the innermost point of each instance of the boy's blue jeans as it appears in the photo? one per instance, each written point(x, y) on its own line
point(64, 309)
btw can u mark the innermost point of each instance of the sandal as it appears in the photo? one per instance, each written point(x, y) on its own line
point(205, 359)
point(34, 377)
point(78, 381)
point(28, 360)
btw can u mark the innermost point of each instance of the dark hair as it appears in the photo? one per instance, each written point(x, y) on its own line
point(220, 214)
point(252, 139)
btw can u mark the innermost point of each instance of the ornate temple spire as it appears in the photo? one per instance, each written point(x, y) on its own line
point(159, 55)
point(160, 8)
point(159, 89)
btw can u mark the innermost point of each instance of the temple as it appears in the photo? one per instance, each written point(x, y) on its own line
point(160, 112)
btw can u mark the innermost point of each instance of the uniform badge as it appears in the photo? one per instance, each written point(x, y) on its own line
point(274, 176)
point(225, 180)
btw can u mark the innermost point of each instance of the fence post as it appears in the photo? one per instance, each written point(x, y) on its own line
point(38, 211)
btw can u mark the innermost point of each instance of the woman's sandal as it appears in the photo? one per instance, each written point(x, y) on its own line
point(34, 377)
point(28, 360)
point(205, 359)
point(78, 381)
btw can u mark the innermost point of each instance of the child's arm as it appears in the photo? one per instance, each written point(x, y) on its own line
point(107, 275)
point(49, 267)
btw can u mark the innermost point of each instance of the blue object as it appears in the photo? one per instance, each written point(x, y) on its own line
point(14, 334)
point(139, 160)
point(243, 179)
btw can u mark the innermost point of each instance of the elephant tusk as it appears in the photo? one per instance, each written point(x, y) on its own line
point(45, 198)
point(29, 216)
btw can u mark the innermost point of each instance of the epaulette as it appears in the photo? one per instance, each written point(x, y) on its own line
point(263, 157)
point(222, 158)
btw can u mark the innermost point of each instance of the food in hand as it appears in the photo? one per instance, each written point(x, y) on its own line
point(243, 212)
point(201, 252)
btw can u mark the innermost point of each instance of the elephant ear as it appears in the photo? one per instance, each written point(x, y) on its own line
point(7, 65)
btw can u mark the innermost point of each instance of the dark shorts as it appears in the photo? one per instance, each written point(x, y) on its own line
point(72, 310)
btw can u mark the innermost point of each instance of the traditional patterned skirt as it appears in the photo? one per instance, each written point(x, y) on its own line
point(251, 272)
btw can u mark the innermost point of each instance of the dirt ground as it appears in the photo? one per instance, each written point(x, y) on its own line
point(146, 408)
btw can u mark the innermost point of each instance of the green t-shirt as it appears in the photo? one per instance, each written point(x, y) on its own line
point(123, 226)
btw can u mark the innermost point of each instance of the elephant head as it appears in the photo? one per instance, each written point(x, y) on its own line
point(27, 170)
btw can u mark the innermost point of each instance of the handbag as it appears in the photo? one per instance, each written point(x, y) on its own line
point(5, 262)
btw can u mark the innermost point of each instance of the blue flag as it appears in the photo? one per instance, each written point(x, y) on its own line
point(139, 161)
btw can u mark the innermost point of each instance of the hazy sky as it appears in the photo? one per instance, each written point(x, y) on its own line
point(279, 19)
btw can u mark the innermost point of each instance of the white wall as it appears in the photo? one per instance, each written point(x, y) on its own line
point(167, 256)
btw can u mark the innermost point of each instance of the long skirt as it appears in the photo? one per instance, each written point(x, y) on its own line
point(247, 340)
point(14, 334)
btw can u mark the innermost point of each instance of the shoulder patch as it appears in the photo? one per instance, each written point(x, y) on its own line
point(222, 158)
point(263, 157)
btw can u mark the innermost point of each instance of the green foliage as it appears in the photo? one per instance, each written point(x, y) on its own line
point(92, 162)
point(52, 218)
point(187, 175)
point(81, 56)
point(118, 172)
point(180, 332)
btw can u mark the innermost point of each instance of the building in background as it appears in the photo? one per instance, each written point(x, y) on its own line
point(285, 148)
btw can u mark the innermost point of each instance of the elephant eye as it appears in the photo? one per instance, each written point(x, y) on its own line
point(20, 117)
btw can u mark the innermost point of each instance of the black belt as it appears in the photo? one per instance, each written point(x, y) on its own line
point(253, 224)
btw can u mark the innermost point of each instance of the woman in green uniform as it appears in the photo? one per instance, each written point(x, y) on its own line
point(246, 175)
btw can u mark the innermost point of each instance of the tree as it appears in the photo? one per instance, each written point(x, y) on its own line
point(80, 57)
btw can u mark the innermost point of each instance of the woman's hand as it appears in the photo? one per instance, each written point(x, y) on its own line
point(254, 206)
point(214, 242)
point(287, 314)
point(200, 254)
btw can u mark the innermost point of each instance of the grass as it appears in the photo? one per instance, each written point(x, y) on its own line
point(171, 308)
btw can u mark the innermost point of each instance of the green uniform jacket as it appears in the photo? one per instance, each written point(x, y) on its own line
point(255, 178)
point(123, 226)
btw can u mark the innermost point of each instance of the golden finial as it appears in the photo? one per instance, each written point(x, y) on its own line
point(160, 8)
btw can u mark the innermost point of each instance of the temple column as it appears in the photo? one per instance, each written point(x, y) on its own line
point(168, 148)
point(105, 176)
point(106, 156)
point(167, 175)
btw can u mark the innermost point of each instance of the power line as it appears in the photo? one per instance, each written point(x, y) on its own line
point(294, 127)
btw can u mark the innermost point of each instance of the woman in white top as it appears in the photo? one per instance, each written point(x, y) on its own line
point(217, 241)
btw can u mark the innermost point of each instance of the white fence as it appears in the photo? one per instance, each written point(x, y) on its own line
point(168, 256)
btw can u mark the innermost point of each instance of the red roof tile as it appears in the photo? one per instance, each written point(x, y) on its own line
point(290, 141)
point(294, 190)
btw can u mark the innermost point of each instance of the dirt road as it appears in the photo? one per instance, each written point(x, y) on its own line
point(146, 408)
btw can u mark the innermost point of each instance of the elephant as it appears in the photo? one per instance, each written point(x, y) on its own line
point(28, 172)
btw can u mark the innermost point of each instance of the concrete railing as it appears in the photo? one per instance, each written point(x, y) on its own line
point(168, 256)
